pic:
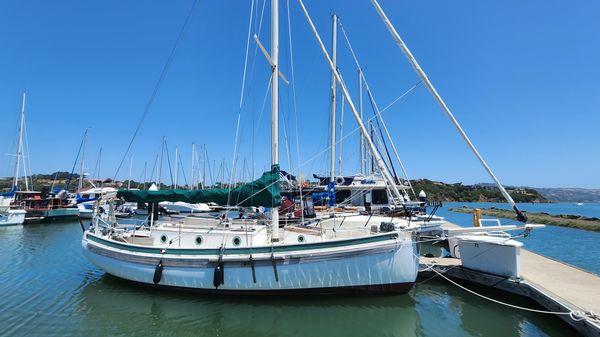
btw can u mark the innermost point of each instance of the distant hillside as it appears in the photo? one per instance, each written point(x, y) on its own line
point(474, 193)
point(40, 181)
point(570, 194)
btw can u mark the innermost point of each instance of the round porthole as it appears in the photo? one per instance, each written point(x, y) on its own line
point(199, 240)
point(236, 241)
point(163, 238)
point(300, 238)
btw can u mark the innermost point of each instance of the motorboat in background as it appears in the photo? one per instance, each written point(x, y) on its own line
point(12, 217)
point(44, 207)
point(85, 200)
point(10, 213)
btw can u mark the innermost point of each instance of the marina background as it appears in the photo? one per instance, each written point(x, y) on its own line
point(85, 65)
point(51, 290)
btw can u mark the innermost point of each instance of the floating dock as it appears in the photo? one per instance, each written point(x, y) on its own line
point(556, 286)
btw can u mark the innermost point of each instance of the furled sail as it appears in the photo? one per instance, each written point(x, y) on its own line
point(265, 191)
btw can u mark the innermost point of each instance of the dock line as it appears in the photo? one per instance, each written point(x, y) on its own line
point(575, 315)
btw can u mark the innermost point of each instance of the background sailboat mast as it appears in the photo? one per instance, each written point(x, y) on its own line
point(19, 142)
point(391, 184)
point(333, 92)
point(192, 184)
point(160, 163)
point(204, 156)
point(176, 165)
point(80, 185)
point(144, 174)
point(275, 106)
point(360, 109)
point(130, 168)
point(443, 105)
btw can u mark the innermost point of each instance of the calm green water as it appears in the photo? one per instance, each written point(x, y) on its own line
point(47, 288)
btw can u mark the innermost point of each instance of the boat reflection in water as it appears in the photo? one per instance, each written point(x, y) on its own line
point(116, 307)
point(129, 307)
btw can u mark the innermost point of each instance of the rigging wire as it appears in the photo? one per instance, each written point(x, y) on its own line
point(154, 170)
point(158, 84)
point(285, 139)
point(26, 164)
point(398, 98)
point(387, 152)
point(210, 171)
point(326, 149)
point(182, 171)
point(378, 114)
point(76, 159)
point(294, 104)
point(12, 146)
point(252, 73)
point(169, 163)
point(239, 115)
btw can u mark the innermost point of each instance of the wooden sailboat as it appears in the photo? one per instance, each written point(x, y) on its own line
point(247, 256)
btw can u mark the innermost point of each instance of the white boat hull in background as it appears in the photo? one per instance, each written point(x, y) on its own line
point(86, 210)
point(184, 207)
point(12, 217)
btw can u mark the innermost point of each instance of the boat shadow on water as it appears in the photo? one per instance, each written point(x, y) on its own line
point(130, 306)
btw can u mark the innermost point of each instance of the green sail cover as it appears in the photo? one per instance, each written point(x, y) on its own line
point(264, 191)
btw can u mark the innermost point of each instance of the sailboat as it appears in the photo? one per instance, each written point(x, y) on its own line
point(251, 255)
point(248, 255)
point(12, 213)
point(40, 206)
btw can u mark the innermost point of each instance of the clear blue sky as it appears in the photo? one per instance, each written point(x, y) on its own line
point(521, 76)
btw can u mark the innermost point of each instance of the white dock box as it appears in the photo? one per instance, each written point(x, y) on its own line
point(490, 254)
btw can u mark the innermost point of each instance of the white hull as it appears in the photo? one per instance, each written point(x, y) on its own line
point(86, 210)
point(86, 214)
point(12, 217)
point(389, 265)
point(184, 207)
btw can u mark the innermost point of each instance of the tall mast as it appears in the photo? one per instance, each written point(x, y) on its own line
point(80, 185)
point(204, 156)
point(360, 109)
point(144, 178)
point(193, 158)
point(443, 106)
point(98, 164)
point(130, 167)
point(176, 164)
point(333, 92)
point(340, 152)
point(275, 107)
point(160, 163)
point(371, 134)
point(19, 143)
